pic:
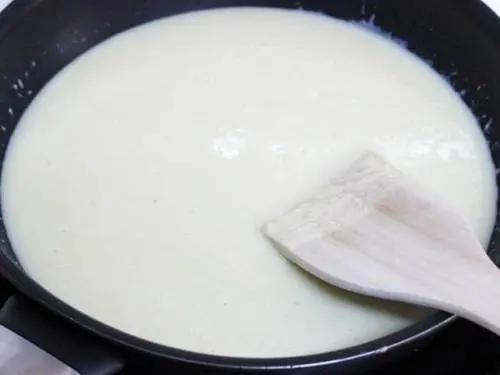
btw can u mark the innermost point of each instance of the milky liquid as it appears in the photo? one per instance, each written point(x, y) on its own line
point(136, 183)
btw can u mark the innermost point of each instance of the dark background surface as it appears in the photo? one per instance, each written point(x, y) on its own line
point(458, 38)
point(461, 349)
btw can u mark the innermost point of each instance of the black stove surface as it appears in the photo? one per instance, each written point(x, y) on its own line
point(462, 349)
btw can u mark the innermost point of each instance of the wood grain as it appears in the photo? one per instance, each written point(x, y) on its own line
point(374, 231)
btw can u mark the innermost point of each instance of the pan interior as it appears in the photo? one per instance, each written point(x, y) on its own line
point(45, 53)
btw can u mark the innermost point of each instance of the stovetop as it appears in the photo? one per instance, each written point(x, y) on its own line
point(461, 349)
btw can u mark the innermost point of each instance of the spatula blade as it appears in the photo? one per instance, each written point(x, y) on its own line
point(374, 231)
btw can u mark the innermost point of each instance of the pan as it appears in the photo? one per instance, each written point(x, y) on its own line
point(460, 39)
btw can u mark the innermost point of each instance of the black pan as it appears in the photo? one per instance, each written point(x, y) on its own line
point(459, 38)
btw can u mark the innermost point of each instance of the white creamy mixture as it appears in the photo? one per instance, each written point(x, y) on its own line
point(136, 183)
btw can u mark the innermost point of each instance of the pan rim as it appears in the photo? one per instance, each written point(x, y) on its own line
point(382, 347)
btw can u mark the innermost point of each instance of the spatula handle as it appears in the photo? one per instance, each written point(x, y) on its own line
point(478, 302)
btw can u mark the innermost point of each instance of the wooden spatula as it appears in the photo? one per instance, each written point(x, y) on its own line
point(373, 231)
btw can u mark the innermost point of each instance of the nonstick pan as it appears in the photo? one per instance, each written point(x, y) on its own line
point(459, 38)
